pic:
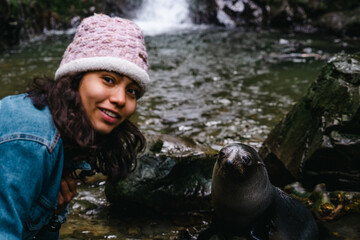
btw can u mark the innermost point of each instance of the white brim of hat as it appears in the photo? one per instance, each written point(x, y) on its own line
point(111, 64)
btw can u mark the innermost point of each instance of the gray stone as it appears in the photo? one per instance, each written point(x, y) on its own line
point(319, 139)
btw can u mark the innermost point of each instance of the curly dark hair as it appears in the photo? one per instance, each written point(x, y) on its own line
point(113, 154)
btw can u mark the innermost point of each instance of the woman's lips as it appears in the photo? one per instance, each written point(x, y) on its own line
point(109, 116)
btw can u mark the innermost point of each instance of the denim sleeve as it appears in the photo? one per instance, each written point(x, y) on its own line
point(25, 166)
point(52, 230)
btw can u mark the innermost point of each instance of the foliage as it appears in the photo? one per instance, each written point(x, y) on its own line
point(21, 19)
point(67, 8)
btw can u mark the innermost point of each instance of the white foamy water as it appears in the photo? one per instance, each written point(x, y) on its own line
point(161, 16)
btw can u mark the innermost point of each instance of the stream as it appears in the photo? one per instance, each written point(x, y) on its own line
point(209, 86)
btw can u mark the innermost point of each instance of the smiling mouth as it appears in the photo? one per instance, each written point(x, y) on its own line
point(109, 113)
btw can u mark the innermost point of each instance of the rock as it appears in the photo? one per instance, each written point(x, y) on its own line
point(288, 15)
point(325, 205)
point(337, 212)
point(341, 22)
point(346, 227)
point(240, 13)
point(319, 139)
point(178, 179)
point(203, 12)
point(123, 8)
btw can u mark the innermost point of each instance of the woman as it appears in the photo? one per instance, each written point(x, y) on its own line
point(80, 120)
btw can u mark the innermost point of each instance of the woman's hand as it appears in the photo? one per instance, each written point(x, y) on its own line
point(67, 190)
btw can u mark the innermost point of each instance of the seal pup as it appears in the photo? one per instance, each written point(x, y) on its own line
point(246, 204)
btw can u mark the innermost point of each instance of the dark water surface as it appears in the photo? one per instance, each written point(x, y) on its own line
point(209, 86)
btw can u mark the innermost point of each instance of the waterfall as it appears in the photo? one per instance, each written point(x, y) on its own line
point(160, 16)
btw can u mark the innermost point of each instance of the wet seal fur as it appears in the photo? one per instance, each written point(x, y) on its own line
point(246, 204)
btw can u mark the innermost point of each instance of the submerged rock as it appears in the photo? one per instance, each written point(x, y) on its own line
point(337, 212)
point(176, 179)
point(319, 139)
point(325, 205)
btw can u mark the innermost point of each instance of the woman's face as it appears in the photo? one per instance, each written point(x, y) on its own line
point(108, 99)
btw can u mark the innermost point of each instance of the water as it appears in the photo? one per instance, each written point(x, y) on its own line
point(161, 16)
point(210, 86)
point(215, 86)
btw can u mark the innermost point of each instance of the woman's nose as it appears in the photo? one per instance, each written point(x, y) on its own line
point(118, 97)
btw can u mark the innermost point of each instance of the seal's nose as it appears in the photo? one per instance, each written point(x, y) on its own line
point(228, 164)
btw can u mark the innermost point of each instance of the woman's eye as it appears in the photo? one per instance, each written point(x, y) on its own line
point(133, 91)
point(108, 80)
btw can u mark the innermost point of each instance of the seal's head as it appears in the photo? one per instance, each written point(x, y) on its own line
point(237, 161)
point(247, 204)
point(240, 189)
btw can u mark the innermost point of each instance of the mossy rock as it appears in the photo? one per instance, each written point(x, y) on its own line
point(319, 139)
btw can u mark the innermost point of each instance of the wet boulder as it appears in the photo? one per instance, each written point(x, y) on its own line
point(341, 22)
point(169, 178)
point(318, 141)
point(123, 8)
point(239, 13)
point(203, 12)
point(336, 17)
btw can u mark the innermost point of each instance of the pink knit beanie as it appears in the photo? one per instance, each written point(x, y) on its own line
point(110, 44)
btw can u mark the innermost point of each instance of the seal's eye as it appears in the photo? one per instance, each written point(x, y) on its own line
point(246, 160)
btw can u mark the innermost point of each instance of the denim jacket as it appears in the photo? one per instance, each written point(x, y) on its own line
point(31, 163)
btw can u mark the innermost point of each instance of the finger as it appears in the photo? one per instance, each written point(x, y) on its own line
point(67, 175)
point(60, 205)
point(65, 191)
point(71, 184)
point(60, 200)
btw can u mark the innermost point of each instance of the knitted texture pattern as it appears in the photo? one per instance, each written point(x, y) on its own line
point(105, 43)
